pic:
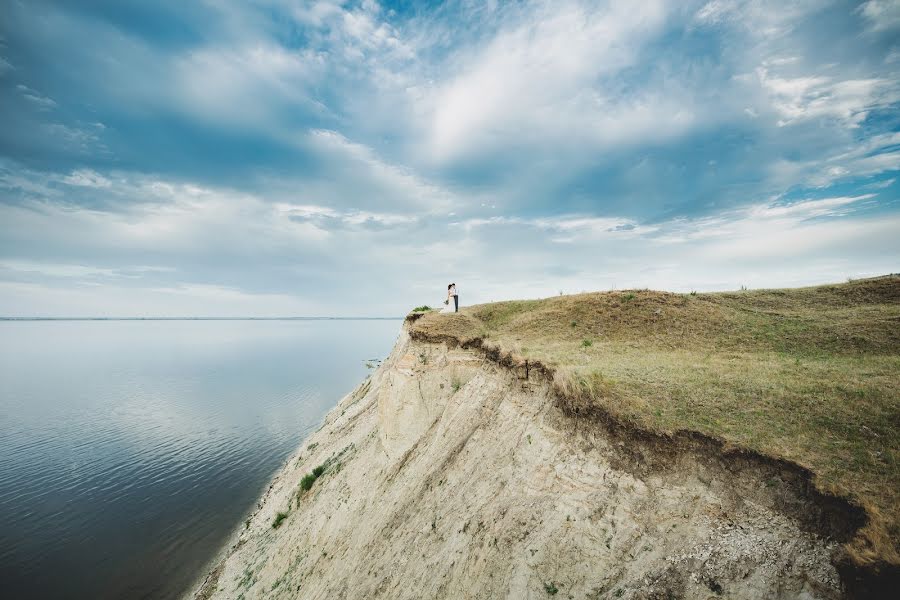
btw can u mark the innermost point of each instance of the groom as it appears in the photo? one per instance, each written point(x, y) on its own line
point(451, 291)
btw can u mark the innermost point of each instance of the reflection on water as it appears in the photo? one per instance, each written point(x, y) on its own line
point(129, 450)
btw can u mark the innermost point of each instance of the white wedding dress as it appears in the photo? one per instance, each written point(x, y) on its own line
point(448, 308)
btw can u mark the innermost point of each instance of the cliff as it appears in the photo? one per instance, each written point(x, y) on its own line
point(458, 470)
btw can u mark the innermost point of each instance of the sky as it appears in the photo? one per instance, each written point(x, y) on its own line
point(322, 158)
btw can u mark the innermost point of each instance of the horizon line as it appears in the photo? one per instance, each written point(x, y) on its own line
point(2, 318)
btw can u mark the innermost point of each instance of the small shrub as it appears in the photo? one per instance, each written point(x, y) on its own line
point(310, 478)
point(574, 324)
point(456, 384)
point(628, 297)
point(550, 588)
point(693, 292)
point(586, 343)
point(281, 516)
point(423, 308)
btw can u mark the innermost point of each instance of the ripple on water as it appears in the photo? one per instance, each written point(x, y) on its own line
point(130, 450)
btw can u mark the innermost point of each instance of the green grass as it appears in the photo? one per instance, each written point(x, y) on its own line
point(809, 374)
point(310, 478)
point(307, 482)
point(281, 516)
point(423, 308)
point(550, 588)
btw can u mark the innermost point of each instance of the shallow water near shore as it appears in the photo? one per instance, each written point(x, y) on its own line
point(131, 450)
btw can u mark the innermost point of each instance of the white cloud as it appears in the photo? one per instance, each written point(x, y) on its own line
point(880, 185)
point(241, 237)
point(391, 184)
point(245, 85)
point(162, 217)
point(808, 209)
point(565, 228)
point(76, 138)
point(761, 18)
point(86, 178)
point(881, 14)
point(40, 101)
point(868, 157)
point(39, 299)
point(67, 270)
point(351, 217)
point(178, 219)
point(55, 269)
point(539, 79)
point(848, 101)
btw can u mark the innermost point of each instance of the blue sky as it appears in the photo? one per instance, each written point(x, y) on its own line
point(320, 158)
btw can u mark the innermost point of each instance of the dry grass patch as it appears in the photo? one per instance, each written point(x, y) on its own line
point(811, 375)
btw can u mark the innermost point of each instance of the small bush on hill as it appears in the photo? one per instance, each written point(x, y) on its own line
point(281, 516)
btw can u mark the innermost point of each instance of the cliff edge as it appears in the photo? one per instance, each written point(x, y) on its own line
point(460, 471)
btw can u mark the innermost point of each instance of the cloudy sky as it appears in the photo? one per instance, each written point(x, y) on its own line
point(280, 157)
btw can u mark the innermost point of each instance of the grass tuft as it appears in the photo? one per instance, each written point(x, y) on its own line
point(281, 516)
point(310, 478)
point(423, 308)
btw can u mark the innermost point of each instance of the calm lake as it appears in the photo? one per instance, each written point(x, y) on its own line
point(131, 450)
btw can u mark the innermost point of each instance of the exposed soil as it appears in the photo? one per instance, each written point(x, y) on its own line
point(457, 472)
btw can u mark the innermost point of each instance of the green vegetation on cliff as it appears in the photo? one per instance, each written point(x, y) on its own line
point(811, 375)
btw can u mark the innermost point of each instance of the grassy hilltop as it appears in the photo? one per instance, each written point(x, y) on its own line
point(811, 375)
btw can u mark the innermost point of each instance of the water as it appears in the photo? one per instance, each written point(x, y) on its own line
point(129, 451)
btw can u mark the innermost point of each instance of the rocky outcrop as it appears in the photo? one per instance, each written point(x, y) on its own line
point(449, 475)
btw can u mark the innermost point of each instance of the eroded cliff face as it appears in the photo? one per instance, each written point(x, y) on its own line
point(450, 476)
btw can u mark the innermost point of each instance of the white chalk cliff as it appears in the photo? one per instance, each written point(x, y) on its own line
point(448, 475)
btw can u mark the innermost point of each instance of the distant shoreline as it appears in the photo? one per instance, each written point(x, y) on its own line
point(201, 318)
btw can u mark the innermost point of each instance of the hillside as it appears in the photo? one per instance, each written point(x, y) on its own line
point(811, 375)
point(627, 445)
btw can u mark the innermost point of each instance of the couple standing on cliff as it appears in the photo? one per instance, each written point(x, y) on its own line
point(452, 300)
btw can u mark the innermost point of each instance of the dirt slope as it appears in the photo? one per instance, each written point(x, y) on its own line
point(449, 475)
